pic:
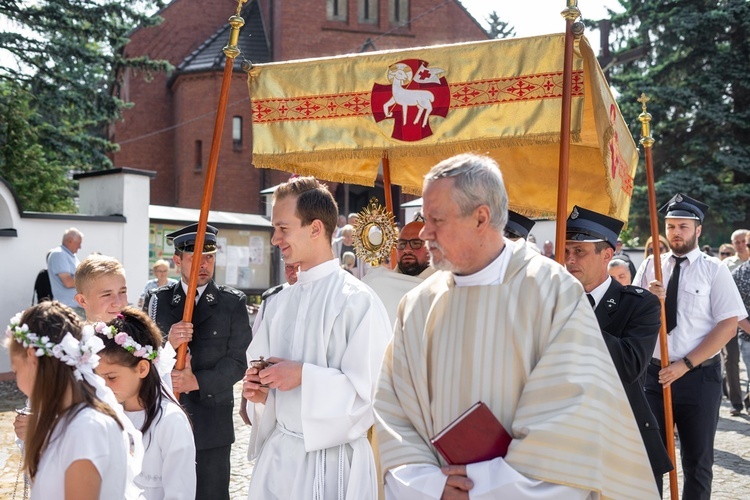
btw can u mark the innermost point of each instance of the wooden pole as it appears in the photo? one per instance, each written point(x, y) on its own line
point(231, 51)
point(388, 200)
point(647, 141)
point(571, 13)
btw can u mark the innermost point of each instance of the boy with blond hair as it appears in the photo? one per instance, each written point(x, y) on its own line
point(100, 287)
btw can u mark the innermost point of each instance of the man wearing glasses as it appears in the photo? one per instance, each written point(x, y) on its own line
point(413, 267)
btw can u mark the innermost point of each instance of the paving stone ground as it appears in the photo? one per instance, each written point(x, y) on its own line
point(731, 465)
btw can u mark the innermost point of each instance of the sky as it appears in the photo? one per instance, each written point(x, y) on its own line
point(538, 17)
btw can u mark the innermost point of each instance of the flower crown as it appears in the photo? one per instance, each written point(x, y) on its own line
point(127, 342)
point(80, 354)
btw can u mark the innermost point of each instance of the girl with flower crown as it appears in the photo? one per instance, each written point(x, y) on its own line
point(76, 445)
point(130, 365)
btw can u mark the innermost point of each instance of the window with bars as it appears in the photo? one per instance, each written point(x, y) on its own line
point(336, 10)
point(398, 12)
point(367, 11)
point(237, 132)
point(198, 152)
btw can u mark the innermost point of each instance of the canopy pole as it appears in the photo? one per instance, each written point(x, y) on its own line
point(571, 13)
point(389, 200)
point(231, 51)
point(647, 141)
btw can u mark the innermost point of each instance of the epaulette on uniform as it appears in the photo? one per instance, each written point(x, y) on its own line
point(272, 291)
point(229, 289)
point(166, 287)
point(634, 290)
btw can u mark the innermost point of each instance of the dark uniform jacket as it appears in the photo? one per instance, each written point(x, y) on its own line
point(629, 318)
point(221, 334)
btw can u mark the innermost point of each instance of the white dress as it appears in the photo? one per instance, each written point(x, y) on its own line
point(311, 442)
point(92, 436)
point(168, 470)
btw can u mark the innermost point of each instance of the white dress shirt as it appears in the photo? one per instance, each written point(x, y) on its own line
point(706, 295)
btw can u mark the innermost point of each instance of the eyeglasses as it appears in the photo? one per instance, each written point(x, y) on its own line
point(726, 254)
point(415, 244)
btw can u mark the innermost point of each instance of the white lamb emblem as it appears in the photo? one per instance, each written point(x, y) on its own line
point(401, 75)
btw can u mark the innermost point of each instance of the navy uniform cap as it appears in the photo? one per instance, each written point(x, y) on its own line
point(587, 225)
point(682, 206)
point(518, 226)
point(184, 239)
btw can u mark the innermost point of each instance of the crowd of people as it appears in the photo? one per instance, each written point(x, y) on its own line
point(346, 381)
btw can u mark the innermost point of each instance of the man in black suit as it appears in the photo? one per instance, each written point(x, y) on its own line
point(629, 317)
point(218, 337)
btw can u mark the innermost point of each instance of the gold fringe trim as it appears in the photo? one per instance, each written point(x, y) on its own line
point(282, 161)
point(318, 173)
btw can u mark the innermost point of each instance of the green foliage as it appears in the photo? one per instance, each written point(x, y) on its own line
point(41, 185)
point(697, 74)
point(498, 28)
point(65, 58)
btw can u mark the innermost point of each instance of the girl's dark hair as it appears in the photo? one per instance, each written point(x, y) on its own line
point(53, 379)
point(139, 326)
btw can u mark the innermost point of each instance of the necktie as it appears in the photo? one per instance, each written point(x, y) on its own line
point(671, 300)
point(591, 299)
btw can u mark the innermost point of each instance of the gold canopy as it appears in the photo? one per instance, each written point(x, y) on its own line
point(329, 117)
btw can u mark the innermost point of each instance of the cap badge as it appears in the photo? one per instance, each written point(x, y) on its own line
point(574, 214)
point(678, 198)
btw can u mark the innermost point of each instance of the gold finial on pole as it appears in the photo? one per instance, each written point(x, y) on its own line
point(571, 12)
point(236, 22)
point(645, 118)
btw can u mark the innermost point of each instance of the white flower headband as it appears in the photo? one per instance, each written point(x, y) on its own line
point(80, 354)
point(127, 342)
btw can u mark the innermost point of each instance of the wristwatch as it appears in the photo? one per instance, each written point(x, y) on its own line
point(688, 363)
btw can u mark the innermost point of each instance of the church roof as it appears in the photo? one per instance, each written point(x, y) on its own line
point(252, 43)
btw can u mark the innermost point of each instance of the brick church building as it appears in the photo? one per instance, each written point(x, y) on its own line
point(169, 127)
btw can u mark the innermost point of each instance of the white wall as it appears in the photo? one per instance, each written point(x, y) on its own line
point(124, 236)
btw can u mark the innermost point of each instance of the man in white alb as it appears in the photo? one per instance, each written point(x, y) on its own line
point(501, 324)
point(325, 337)
point(412, 269)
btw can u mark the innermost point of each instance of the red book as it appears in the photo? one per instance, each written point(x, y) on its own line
point(477, 435)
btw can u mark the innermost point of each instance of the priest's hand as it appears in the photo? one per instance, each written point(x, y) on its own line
point(657, 289)
point(251, 388)
point(458, 485)
point(184, 381)
point(284, 375)
point(180, 333)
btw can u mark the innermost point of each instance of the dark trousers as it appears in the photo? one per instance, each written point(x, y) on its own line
point(212, 473)
point(696, 398)
point(731, 357)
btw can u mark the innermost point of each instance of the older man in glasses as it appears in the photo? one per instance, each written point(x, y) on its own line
point(413, 267)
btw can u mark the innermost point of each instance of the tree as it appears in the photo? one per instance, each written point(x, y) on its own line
point(697, 73)
point(498, 28)
point(65, 57)
point(41, 185)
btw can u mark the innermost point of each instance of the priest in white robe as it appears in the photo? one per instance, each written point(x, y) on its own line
point(325, 336)
point(501, 324)
point(413, 267)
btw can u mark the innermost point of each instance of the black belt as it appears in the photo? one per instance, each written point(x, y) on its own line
point(709, 362)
